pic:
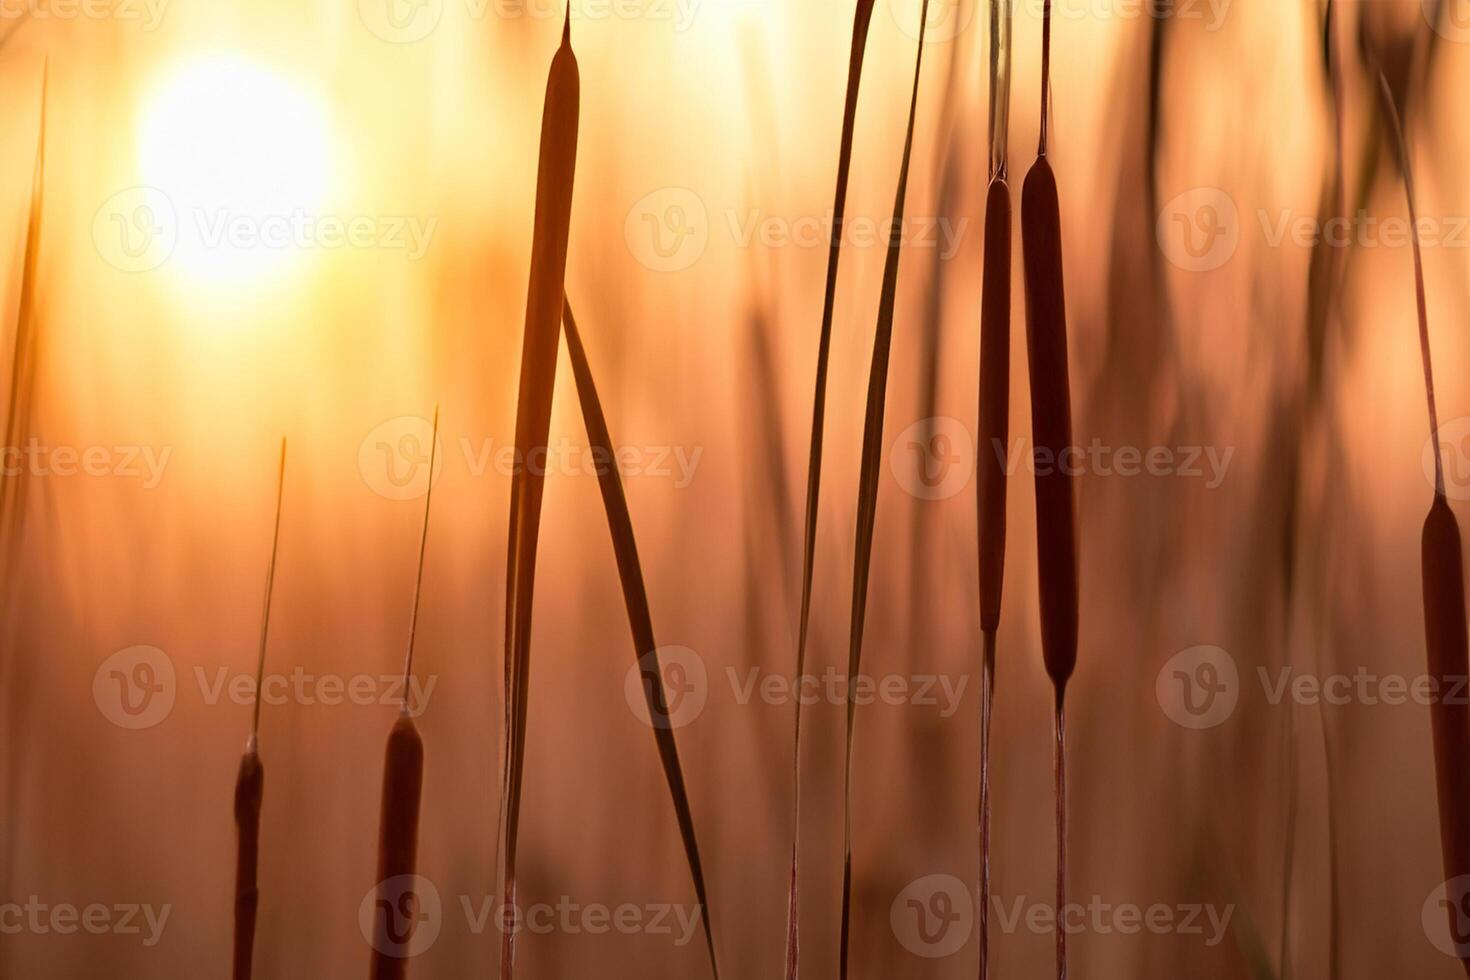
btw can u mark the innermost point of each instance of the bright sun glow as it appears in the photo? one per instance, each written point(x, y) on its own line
point(236, 163)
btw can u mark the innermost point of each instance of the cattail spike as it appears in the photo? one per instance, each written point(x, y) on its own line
point(250, 781)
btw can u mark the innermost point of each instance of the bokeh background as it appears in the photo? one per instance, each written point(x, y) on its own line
point(1312, 825)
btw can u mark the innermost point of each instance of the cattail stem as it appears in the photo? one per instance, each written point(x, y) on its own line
point(1001, 22)
point(1060, 772)
point(987, 699)
point(250, 781)
point(1045, 78)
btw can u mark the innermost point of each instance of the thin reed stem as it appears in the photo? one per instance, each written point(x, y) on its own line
point(418, 584)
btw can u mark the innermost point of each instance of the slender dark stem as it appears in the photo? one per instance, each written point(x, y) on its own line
point(987, 700)
point(1060, 767)
point(1045, 77)
point(1396, 124)
point(270, 585)
point(418, 585)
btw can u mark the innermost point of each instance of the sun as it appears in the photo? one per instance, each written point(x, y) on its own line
point(236, 162)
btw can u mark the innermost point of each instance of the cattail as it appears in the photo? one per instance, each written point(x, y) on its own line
point(403, 784)
point(1051, 423)
point(544, 302)
point(862, 21)
point(867, 503)
point(640, 615)
point(994, 422)
point(250, 782)
point(1443, 566)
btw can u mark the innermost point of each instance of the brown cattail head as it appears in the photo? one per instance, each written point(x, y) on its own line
point(1449, 661)
point(398, 841)
point(1051, 420)
point(249, 793)
point(995, 399)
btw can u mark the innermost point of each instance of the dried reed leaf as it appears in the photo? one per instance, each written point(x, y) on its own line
point(867, 502)
point(862, 21)
point(544, 301)
point(640, 616)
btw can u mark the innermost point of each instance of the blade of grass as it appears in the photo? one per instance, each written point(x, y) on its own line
point(403, 784)
point(862, 20)
point(24, 347)
point(640, 616)
point(554, 183)
point(1051, 422)
point(1445, 632)
point(867, 501)
point(250, 781)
